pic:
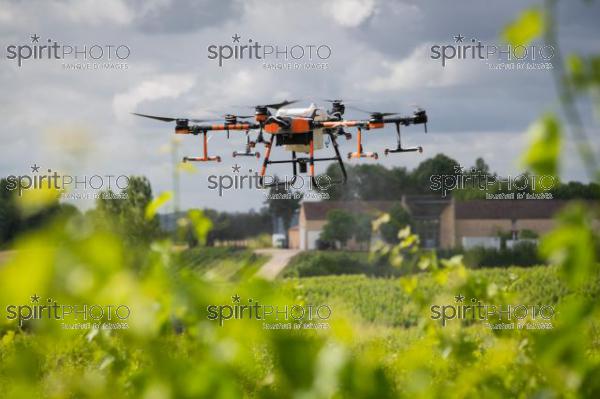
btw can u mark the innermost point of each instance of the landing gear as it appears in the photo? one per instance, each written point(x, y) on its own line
point(399, 147)
point(205, 157)
point(359, 151)
point(304, 163)
point(248, 151)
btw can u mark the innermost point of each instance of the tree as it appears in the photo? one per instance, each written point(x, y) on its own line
point(369, 182)
point(438, 165)
point(481, 167)
point(14, 220)
point(339, 227)
point(238, 225)
point(128, 214)
point(362, 227)
point(9, 214)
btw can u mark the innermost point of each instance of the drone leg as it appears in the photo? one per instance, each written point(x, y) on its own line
point(339, 159)
point(311, 160)
point(294, 168)
point(266, 161)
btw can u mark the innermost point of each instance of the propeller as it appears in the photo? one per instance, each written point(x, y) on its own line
point(374, 114)
point(232, 116)
point(278, 105)
point(168, 119)
point(339, 100)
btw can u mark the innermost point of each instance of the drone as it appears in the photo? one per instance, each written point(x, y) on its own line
point(301, 131)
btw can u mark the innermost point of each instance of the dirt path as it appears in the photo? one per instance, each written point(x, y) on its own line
point(278, 262)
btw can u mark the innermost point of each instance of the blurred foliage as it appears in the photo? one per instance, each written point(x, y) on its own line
point(21, 214)
point(382, 342)
point(543, 153)
point(399, 219)
point(528, 26)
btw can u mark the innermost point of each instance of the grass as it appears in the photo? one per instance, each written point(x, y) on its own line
point(222, 263)
point(325, 263)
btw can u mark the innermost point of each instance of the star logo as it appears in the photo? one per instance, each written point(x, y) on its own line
point(236, 298)
point(236, 168)
point(35, 298)
point(459, 38)
point(459, 298)
point(35, 38)
point(35, 168)
point(236, 38)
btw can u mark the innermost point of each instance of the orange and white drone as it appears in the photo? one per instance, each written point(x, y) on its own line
point(298, 130)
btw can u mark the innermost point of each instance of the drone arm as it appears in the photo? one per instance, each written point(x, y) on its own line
point(335, 124)
point(224, 127)
point(417, 118)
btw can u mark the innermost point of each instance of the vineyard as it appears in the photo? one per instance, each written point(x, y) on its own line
point(384, 301)
point(380, 341)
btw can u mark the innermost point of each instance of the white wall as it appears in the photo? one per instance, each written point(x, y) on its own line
point(312, 237)
point(302, 232)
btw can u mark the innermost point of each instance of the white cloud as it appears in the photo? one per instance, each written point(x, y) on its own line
point(6, 13)
point(163, 86)
point(95, 12)
point(419, 70)
point(350, 13)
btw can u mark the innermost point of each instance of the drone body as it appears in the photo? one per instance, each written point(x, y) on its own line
point(299, 131)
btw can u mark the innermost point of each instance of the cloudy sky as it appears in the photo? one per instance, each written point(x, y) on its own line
point(79, 122)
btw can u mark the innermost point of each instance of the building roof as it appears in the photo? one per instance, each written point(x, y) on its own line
point(427, 207)
point(318, 210)
point(507, 209)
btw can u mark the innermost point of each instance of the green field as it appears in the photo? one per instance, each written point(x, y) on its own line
point(383, 300)
point(380, 342)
